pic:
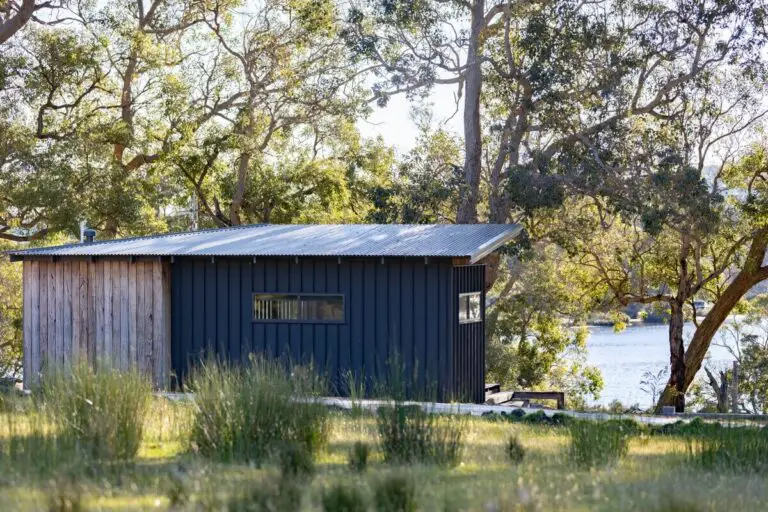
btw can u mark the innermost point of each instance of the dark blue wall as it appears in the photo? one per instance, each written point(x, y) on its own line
point(401, 308)
point(469, 338)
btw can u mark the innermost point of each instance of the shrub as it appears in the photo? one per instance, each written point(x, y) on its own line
point(248, 413)
point(695, 427)
point(561, 419)
point(65, 495)
point(515, 450)
point(30, 446)
point(537, 418)
point(627, 425)
point(395, 493)
point(732, 448)
point(177, 491)
point(517, 414)
point(595, 444)
point(676, 504)
point(409, 434)
point(344, 498)
point(274, 494)
point(358, 457)
point(295, 460)
point(102, 412)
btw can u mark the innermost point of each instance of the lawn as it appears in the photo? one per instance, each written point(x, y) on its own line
point(655, 474)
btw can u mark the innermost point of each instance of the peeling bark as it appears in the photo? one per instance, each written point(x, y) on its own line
point(473, 145)
point(12, 24)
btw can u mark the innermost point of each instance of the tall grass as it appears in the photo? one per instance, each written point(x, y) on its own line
point(596, 444)
point(249, 413)
point(101, 413)
point(31, 446)
point(79, 420)
point(395, 493)
point(409, 434)
point(738, 449)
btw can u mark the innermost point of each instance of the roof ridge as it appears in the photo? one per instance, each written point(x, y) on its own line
point(301, 239)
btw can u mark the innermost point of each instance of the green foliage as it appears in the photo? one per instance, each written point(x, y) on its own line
point(358, 457)
point(395, 493)
point(515, 450)
point(65, 495)
point(677, 504)
point(101, 412)
point(10, 317)
point(529, 344)
point(740, 449)
point(425, 186)
point(537, 418)
point(344, 498)
point(695, 427)
point(408, 434)
point(274, 494)
point(597, 444)
point(250, 413)
point(296, 460)
point(746, 339)
point(32, 446)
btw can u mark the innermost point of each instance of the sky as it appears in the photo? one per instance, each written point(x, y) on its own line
point(395, 125)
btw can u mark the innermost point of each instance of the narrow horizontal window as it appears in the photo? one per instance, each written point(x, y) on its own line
point(298, 307)
point(470, 308)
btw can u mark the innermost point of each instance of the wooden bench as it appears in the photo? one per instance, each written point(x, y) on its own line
point(527, 396)
point(495, 396)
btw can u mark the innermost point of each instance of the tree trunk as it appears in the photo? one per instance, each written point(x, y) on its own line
point(752, 273)
point(677, 355)
point(237, 198)
point(244, 162)
point(497, 201)
point(10, 26)
point(473, 83)
point(719, 389)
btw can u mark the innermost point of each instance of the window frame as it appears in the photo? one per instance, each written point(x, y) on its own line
point(468, 320)
point(299, 321)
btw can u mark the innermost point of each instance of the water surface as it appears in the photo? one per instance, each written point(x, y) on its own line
point(625, 356)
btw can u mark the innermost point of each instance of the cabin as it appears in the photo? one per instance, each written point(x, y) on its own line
point(349, 299)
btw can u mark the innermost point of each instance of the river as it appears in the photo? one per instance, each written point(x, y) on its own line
point(625, 356)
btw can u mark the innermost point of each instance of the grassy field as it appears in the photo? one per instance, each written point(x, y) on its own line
point(655, 474)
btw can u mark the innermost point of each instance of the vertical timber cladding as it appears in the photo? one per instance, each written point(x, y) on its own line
point(395, 308)
point(469, 338)
point(111, 311)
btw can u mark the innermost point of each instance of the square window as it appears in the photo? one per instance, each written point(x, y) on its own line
point(470, 309)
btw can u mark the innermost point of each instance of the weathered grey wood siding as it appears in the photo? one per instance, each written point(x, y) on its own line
point(110, 311)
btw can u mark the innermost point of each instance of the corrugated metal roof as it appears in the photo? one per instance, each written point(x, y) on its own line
point(452, 240)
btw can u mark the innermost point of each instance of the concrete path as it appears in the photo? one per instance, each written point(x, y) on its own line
point(475, 409)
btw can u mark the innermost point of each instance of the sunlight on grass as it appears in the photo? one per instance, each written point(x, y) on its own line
point(652, 477)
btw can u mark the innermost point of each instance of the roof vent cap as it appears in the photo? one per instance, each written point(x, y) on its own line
point(89, 235)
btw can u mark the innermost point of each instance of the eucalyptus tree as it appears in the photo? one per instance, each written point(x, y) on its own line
point(540, 77)
point(144, 44)
point(424, 188)
point(14, 15)
point(665, 228)
point(84, 109)
point(41, 183)
point(279, 101)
